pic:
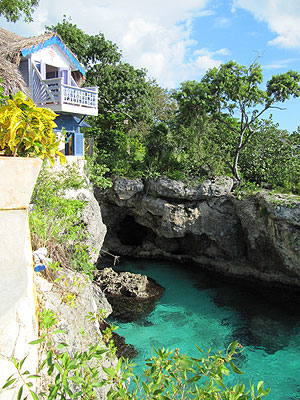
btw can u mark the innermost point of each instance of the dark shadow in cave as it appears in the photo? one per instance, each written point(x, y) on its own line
point(130, 232)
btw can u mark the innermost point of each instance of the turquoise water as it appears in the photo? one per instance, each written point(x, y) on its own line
point(197, 309)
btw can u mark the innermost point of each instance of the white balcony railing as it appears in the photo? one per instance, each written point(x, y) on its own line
point(53, 93)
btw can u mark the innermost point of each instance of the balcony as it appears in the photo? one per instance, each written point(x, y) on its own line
point(62, 98)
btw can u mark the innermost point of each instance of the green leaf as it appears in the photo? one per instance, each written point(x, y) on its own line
point(235, 368)
point(98, 384)
point(259, 385)
point(37, 341)
point(194, 379)
point(109, 371)
point(62, 345)
point(146, 388)
point(59, 330)
point(34, 395)
point(8, 383)
point(49, 358)
point(20, 393)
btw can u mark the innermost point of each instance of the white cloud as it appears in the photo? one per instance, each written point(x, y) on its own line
point(156, 35)
point(280, 64)
point(205, 59)
point(222, 22)
point(282, 17)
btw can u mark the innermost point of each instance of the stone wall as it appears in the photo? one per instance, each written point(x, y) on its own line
point(18, 323)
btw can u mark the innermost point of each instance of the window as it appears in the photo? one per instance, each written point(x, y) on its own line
point(51, 72)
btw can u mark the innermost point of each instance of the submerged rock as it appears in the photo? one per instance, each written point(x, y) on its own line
point(123, 349)
point(132, 296)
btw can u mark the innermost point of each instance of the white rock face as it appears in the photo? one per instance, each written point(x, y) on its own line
point(95, 229)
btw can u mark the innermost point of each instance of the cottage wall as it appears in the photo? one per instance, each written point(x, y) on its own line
point(24, 69)
point(53, 55)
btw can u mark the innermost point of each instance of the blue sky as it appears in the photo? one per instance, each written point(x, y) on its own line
point(177, 40)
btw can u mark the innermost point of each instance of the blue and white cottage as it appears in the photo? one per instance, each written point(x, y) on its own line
point(48, 72)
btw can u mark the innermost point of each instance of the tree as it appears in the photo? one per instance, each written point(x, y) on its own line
point(128, 102)
point(270, 157)
point(233, 92)
point(91, 50)
point(12, 10)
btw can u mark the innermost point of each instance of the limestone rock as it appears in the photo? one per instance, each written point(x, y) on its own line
point(95, 229)
point(124, 283)
point(132, 296)
point(168, 188)
point(126, 188)
point(272, 225)
point(255, 238)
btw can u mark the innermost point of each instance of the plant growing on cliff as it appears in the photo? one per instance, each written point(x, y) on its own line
point(55, 218)
point(169, 375)
point(74, 376)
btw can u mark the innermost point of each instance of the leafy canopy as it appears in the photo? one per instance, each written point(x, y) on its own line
point(233, 91)
point(13, 10)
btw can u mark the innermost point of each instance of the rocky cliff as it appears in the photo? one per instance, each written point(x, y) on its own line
point(91, 220)
point(253, 236)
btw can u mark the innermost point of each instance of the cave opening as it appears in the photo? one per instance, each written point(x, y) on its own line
point(131, 233)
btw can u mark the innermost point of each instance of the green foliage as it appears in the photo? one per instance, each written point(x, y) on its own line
point(206, 128)
point(246, 189)
point(233, 92)
point(200, 147)
point(74, 374)
point(27, 130)
point(13, 10)
point(56, 219)
point(272, 158)
point(96, 173)
point(168, 375)
point(171, 375)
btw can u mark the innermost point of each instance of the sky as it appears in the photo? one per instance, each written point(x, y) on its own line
point(179, 40)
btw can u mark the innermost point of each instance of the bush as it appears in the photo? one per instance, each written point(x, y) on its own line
point(55, 219)
point(168, 374)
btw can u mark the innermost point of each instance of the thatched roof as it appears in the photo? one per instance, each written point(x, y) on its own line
point(10, 56)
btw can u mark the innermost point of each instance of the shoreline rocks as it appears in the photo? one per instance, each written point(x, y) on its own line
point(132, 296)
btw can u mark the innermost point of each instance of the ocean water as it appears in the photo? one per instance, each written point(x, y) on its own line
point(197, 309)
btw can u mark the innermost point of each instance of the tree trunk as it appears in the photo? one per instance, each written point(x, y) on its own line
point(236, 174)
